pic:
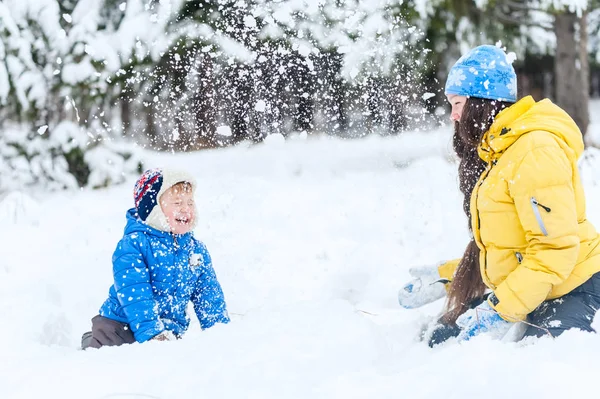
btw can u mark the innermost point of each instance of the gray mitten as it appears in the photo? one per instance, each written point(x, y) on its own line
point(426, 287)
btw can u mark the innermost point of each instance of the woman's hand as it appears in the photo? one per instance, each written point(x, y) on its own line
point(424, 288)
point(482, 319)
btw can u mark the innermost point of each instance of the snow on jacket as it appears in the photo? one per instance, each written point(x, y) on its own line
point(156, 275)
point(528, 209)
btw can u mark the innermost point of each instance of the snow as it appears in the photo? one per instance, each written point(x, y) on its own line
point(593, 133)
point(30, 160)
point(73, 74)
point(224, 130)
point(42, 129)
point(311, 240)
point(260, 106)
point(576, 6)
point(311, 237)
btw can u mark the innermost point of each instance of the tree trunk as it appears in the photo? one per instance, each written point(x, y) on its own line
point(241, 102)
point(205, 120)
point(150, 124)
point(303, 92)
point(571, 68)
point(333, 93)
point(125, 102)
point(585, 69)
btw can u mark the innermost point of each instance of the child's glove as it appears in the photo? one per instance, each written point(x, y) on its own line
point(425, 288)
point(482, 319)
point(164, 336)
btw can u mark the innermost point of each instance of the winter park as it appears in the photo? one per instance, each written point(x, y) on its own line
point(299, 199)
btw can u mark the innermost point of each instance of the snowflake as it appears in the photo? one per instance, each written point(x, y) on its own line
point(491, 65)
point(555, 324)
point(512, 87)
point(486, 83)
point(504, 76)
point(456, 77)
point(473, 61)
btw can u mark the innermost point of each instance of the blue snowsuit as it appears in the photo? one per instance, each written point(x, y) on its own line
point(156, 275)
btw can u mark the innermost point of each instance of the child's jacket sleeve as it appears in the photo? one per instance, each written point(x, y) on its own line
point(132, 284)
point(208, 298)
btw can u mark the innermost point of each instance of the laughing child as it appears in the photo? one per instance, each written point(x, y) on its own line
point(158, 268)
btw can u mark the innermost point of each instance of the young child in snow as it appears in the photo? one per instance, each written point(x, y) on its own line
point(158, 268)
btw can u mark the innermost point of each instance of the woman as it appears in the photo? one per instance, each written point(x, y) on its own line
point(533, 255)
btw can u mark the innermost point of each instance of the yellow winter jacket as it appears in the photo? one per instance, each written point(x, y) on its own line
point(528, 209)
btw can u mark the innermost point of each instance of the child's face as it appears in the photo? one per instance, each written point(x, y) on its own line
point(177, 203)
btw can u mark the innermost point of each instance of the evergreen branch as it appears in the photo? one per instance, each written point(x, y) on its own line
point(504, 18)
point(521, 6)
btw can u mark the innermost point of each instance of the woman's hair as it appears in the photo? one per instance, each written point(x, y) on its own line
point(477, 117)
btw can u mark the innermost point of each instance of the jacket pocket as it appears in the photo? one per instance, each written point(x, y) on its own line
point(535, 205)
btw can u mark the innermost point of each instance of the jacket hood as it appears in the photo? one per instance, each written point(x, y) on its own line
point(527, 116)
point(170, 177)
point(136, 225)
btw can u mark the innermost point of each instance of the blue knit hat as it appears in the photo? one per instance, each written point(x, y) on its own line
point(148, 189)
point(484, 72)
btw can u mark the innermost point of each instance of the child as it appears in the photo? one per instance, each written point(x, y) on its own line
point(158, 268)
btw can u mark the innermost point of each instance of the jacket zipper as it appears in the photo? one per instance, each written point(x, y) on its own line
point(519, 257)
point(535, 205)
point(175, 271)
point(176, 242)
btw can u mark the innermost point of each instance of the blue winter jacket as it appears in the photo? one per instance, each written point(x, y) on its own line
point(156, 275)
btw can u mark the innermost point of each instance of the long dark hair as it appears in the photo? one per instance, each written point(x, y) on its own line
point(477, 117)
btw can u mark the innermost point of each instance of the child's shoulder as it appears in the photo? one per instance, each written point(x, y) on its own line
point(136, 239)
point(132, 243)
point(198, 245)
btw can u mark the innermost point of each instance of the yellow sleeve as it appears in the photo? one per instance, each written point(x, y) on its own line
point(543, 194)
point(448, 269)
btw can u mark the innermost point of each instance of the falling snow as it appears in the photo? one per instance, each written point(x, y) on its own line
point(311, 229)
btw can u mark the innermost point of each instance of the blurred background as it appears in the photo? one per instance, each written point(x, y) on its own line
point(86, 84)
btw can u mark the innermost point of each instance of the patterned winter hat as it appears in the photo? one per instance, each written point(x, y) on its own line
point(484, 72)
point(145, 192)
point(150, 187)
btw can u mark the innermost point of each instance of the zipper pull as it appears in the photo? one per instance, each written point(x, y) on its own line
point(534, 201)
point(519, 257)
point(536, 211)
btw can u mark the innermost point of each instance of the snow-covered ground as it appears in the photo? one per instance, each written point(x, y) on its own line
point(593, 134)
point(311, 240)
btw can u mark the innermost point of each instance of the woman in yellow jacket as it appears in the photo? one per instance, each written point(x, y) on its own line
point(533, 256)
